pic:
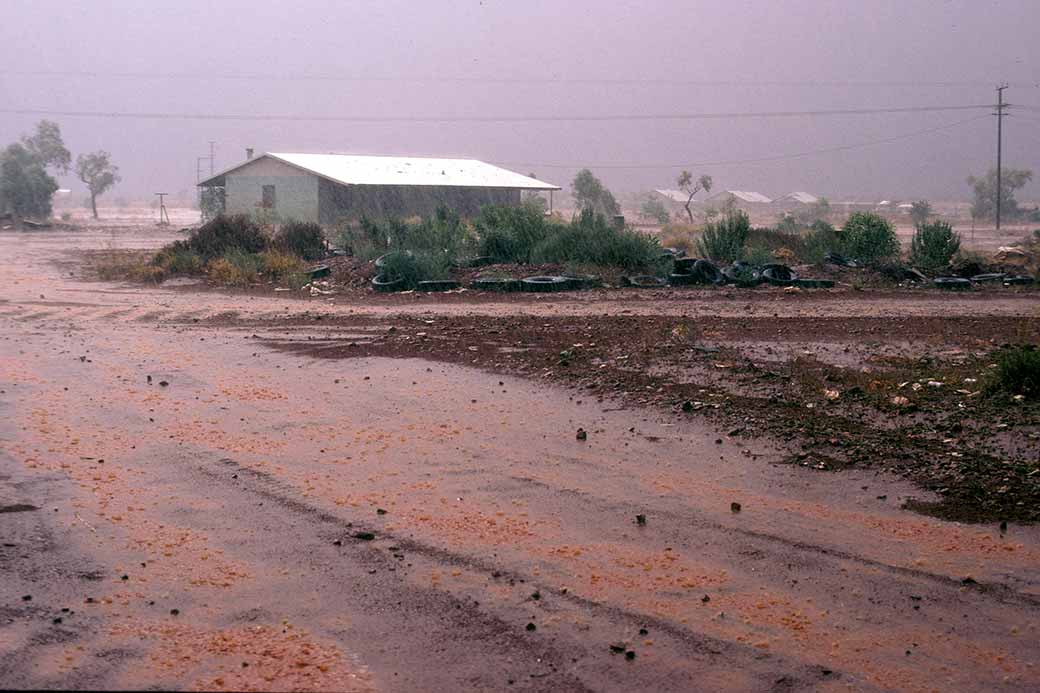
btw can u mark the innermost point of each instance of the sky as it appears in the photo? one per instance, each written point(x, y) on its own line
point(542, 69)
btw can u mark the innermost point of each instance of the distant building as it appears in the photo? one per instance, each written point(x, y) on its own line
point(797, 198)
point(740, 199)
point(326, 188)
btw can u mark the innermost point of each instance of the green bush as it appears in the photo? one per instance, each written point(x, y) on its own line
point(724, 240)
point(1017, 372)
point(591, 240)
point(757, 255)
point(414, 267)
point(821, 239)
point(303, 239)
point(934, 245)
point(178, 258)
point(869, 238)
point(510, 234)
point(227, 234)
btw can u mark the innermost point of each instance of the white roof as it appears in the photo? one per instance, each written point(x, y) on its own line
point(350, 169)
point(797, 196)
point(673, 195)
point(745, 195)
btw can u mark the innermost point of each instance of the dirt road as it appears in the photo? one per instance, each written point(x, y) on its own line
point(184, 506)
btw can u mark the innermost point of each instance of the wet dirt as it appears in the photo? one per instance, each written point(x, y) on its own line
point(292, 512)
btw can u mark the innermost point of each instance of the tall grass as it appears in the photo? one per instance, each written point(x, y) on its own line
point(724, 240)
point(1017, 371)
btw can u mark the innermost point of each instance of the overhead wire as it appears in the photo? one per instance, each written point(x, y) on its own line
point(758, 160)
point(725, 115)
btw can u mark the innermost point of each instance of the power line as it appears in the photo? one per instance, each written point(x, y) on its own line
point(730, 115)
point(732, 162)
point(638, 81)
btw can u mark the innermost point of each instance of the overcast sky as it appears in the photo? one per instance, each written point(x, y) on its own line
point(553, 58)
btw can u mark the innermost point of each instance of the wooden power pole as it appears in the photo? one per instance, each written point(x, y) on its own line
point(1001, 106)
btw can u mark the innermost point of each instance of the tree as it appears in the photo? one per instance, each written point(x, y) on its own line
point(653, 208)
point(25, 187)
point(920, 211)
point(98, 172)
point(590, 193)
point(691, 187)
point(985, 188)
point(47, 147)
point(817, 211)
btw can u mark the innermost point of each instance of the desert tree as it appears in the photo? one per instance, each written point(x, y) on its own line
point(985, 189)
point(691, 187)
point(47, 147)
point(590, 193)
point(654, 208)
point(99, 174)
point(920, 211)
point(25, 187)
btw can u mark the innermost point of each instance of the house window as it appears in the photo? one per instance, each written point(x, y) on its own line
point(267, 198)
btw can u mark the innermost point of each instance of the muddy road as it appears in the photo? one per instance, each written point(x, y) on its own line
point(205, 490)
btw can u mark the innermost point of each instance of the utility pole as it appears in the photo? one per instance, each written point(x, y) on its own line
point(164, 218)
point(1000, 133)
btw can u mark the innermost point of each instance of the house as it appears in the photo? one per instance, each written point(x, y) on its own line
point(327, 188)
point(796, 198)
point(739, 199)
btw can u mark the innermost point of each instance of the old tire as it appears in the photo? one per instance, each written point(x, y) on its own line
point(814, 283)
point(683, 279)
point(643, 281)
point(989, 278)
point(385, 285)
point(496, 284)
point(684, 265)
point(1020, 280)
point(545, 283)
point(742, 274)
point(585, 281)
point(707, 272)
point(779, 275)
point(952, 283)
point(437, 285)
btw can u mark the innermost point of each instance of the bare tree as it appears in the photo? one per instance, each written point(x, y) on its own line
point(691, 187)
point(98, 172)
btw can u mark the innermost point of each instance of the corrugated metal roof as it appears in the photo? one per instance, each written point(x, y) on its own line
point(803, 197)
point(745, 195)
point(350, 169)
point(673, 195)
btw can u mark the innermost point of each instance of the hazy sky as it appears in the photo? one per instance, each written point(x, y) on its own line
point(535, 59)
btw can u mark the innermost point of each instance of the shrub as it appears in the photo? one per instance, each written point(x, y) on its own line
point(590, 240)
point(226, 234)
point(821, 239)
point(934, 245)
point(278, 265)
point(304, 239)
point(724, 240)
point(1017, 371)
point(510, 234)
point(235, 268)
point(869, 237)
point(414, 267)
point(178, 258)
point(677, 235)
point(757, 255)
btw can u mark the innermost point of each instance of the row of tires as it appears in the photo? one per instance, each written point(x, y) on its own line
point(960, 283)
point(541, 283)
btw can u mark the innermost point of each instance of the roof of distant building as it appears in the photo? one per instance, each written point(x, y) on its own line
point(351, 169)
